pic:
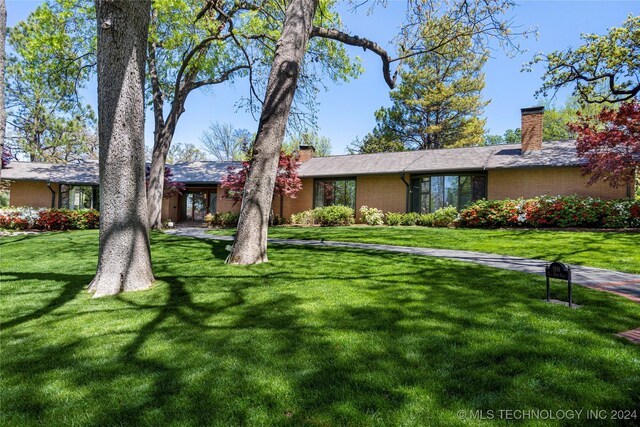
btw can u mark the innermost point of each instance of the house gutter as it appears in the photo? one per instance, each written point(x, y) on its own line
point(53, 195)
point(408, 197)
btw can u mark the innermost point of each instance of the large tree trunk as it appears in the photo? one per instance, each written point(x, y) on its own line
point(124, 262)
point(250, 246)
point(3, 37)
point(162, 143)
point(156, 178)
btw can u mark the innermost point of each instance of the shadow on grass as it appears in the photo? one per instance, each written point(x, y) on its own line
point(71, 286)
point(319, 336)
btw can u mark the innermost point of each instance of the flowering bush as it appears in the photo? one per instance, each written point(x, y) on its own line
point(558, 211)
point(372, 216)
point(23, 218)
point(20, 218)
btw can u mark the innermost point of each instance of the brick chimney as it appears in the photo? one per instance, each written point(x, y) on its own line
point(531, 129)
point(306, 152)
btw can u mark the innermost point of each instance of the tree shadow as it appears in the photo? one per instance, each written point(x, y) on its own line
point(72, 285)
point(329, 336)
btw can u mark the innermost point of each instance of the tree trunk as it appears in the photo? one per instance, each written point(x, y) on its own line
point(124, 260)
point(163, 138)
point(250, 246)
point(3, 37)
point(156, 178)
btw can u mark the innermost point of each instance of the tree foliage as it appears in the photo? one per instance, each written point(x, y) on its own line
point(375, 142)
point(438, 101)
point(610, 143)
point(3, 114)
point(48, 64)
point(171, 187)
point(606, 68)
point(322, 144)
point(225, 143)
point(287, 184)
point(484, 20)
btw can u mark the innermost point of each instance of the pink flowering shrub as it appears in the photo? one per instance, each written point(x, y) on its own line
point(559, 211)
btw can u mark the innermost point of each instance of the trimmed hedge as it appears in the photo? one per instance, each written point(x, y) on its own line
point(24, 218)
point(325, 216)
point(222, 219)
point(443, 217)
point(559, 211)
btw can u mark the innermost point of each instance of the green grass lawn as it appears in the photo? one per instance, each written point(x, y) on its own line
point(317, 336)
point(610, 250)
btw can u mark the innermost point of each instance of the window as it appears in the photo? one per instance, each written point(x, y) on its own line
point(430, 193)
point(81, 197)
point(329, 192)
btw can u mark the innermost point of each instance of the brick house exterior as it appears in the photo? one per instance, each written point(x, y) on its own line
point(393, 182)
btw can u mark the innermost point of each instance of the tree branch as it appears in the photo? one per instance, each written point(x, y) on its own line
point(333, 34)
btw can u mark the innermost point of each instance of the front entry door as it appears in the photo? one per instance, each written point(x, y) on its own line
point(195, 205)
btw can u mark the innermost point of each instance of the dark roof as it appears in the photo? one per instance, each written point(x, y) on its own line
point(85, 173)
point(202, 172)
point(553, 154)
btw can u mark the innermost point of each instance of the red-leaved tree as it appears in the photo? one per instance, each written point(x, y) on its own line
point(6, 156)
point(171, 188)
point(610, 144)
point(288, 181)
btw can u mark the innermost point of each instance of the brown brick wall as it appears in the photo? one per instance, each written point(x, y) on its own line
point(32, 193)
point(170, 208)
point(532, 131)
point(225, 205)
point(302, 202)
point(385, 192)
point(515, 183)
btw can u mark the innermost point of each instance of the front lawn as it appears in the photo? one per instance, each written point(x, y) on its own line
point(610, 250)
point(317, 336)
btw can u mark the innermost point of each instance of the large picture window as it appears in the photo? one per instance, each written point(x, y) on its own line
point(329, 192)
point(430, 193)
point(79, 197)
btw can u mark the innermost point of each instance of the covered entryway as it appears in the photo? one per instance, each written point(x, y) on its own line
point(195, 204)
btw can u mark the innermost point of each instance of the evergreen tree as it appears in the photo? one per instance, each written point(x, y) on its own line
point(438, 102)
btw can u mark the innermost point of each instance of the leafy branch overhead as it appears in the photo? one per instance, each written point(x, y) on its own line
point(606, 68)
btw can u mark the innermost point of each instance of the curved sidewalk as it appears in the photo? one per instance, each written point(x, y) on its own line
point(624, 284)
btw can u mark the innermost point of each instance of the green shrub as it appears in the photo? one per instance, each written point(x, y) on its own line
point(334, 215)
point(372, 216)
point(444, 217)
point(410, 218)
point(222, 219)
point(303, 218)
point(393, 218)
point(425, 220)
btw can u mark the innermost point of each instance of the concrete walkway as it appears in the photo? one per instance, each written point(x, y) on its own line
point(624, 284)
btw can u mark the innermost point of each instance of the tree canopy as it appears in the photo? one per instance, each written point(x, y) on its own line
point(47, 118)
point(610, 143)
point(225, 143)
point(438, 101)
point(606, 68)
point(322, 144)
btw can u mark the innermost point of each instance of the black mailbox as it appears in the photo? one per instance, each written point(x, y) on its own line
point(558, 270)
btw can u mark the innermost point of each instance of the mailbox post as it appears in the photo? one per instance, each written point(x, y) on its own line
point(558, 270)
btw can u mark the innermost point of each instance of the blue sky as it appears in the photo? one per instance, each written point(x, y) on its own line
point(346, 110)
